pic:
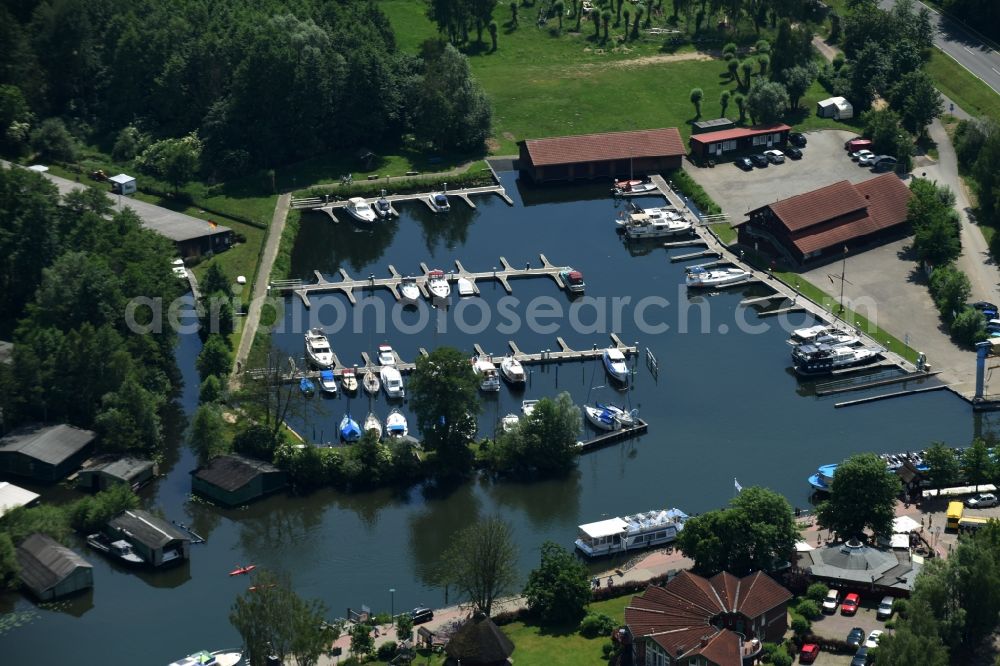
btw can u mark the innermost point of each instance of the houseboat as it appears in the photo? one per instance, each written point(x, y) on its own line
point(512, 370)
point(823, 359)
point(392, 382)
point(618, 535)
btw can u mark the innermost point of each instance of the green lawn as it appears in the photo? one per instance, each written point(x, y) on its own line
point(974, 96)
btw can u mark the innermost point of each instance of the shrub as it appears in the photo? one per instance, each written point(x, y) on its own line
point(729, 48)
point(800, 625)
point(838, 62)
point(607, 649)
point(386, 651)
point(968, 328)
point(817, 592)
point(808, 609)
point(596, 624)
point(781, 658)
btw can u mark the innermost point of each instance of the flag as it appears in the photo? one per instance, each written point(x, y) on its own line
point(739, 488)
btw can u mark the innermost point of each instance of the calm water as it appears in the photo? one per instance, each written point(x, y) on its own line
point(724, 406)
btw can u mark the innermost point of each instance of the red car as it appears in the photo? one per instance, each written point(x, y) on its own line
point(850, 604)
point(808, 653)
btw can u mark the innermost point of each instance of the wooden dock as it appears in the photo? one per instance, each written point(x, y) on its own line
point(696, 255)
point(347, 284)
point(887, 396)
point(781, 311)
point(330, 207)
point(608, 438)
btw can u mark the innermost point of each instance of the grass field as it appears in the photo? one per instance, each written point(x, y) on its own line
point(974, 96)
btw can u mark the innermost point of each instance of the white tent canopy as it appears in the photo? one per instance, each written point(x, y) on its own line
point(904, 525)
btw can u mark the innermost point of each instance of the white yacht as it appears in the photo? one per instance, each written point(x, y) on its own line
point(120, 549)
point(700, 277)
point(824, 359)
point(360, 210)
point(373, 423)
point(409, 292)
point(395, 424)
point(808, 334)
point(386, 356)
point(205, 658)
point(528, 406)
point(643, 530)
point(632, 188)
point(512, 370)
point(439, 202)
point(615, 364)
point(486, 370)
point(655, 223)
point(438, 285)
point(318, 348)
point(392, 381)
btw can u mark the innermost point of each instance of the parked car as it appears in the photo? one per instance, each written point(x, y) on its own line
point(774, 156)
point(831, 602)
point(867, 160)
point(797, 139)
point(759, 161)
point(744, 163)
point(860, 657)
point(884, 163)
point(861, 153)
point(794, 153)
point(808, 653)
point(873, 638)
point(984, 305)
point(421, 614)
point(852, 145)
point(981, 501)
point(850, 605)
point(856, 637)
point(885, 608)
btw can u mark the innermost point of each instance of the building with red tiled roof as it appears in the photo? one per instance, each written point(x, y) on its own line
point(713, 145)
point(818, 225)
point(717, 621)
point(604, 155)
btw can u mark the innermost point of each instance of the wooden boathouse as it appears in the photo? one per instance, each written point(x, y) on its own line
point(603, 155)
point(46, 453)
point(233, 480)
point(154, 539)
point(51, 570)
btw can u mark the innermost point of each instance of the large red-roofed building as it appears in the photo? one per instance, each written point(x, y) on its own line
point(604, 155)
point(717, 621)
point(815, 226)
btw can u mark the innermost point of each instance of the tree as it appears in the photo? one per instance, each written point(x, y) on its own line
point(544, 443)
point(482, 562)
point(862, 496)
point(208, 436)
point(767, 101)
point(932, 214)
point(362, 642)
point(9, 567)
point(917, 100)
point(451, 109)
point(210, 390)
point(756, 532)
point(635, 24)
point(129, 143)
point(733, 67)
point(747, 68)
point(52, 141)
point(968, 328)
point(724, 98)
point(129, 418)
point(493, 35)
point(763, 60)
point(513, 13)
point(606, 20)
point(870, 74)
point(942, 466)
point(628, 15)
point(273, 620)
point(214, 358)
point(559, 8)
point(559, 589)
point(404, 627)
point(174, 160)
point(697, 94)
point(903, 647)
point(797, 81)
point(445, 400)
point(740, 101)
point(269, 399)
point(976, 463)
point(950, 290)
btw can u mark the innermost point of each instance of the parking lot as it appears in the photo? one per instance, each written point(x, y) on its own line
point(824, 161)
point(837, 626)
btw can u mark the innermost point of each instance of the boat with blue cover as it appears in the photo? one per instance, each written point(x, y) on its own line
point(307, 387)
point(349, 430)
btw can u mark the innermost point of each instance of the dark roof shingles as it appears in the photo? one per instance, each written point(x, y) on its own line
point(605, 146)
point(45, 562)
point(50, 444)
point(232, 472)
point(148, 529)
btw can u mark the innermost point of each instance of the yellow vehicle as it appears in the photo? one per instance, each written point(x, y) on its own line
point(956, 521)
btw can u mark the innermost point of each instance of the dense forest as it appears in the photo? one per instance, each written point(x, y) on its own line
point(259, 84)
point(68, 275)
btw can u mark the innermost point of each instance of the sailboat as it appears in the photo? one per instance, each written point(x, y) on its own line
point(349, 380)
point(372, 423)
point(371, 382)
point(349, 430)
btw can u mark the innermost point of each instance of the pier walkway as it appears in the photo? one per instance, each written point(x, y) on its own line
point(326, 205)
point(347, 285)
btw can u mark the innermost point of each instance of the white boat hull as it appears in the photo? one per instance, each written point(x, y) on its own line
point(395, 424)
point(601, 419)
point(512, 371)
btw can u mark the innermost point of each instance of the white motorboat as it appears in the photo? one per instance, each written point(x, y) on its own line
point(327, 382)
point(602, 418)
point(349, 430)
point(655, 223)
point(528, 406)
point(386, 356)
point(615, 364)
point(372, 423)
point(395, 424)
point(439, 202)
point(409, 292)
point(382, 207)
point(643, 530)
point(632, 188)
point(824, 359)
point(806, 335)
point(438, 285)
point(699, 277)
point(349, 380)
point(573, 281)
point(512, 370)
point(486, 370)
point(121, 550)
point(626, 418)
point(833, 339)
point(205, 658)
point(318, 348)
point(371, 382)
point(392, 381)
point(509, 422)
point(360, 210)
point(466, 287)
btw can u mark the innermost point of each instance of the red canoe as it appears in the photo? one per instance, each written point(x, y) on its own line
point(239, 571)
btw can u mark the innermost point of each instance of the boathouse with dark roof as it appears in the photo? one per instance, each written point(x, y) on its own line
point(717, 621)
point(109, 470)
point(714, 145)
point(603, 155)
point(46, 453)
point(821, 225)
point(233, 480)
point(154, 539)
point(51, 570)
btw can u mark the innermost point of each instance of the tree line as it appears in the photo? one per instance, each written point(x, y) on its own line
point(69, 276)
point(246, 85)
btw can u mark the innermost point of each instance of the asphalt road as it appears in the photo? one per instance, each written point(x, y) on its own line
point(965, 47)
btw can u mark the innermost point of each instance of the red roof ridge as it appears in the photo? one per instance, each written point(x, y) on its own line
point(605, 146)
point(738, 132)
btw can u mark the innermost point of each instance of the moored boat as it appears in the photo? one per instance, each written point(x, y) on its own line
point(206, 658)
point(602, 418)
point(808, 334)
point(822, 478)
point(382, 207)
point(632, 188)
point(360, 210)
point(242, 570)
point(395, 424)
point(625, 418)
point(824, 359)
point(349, 380)
point(121, 550)
point(306, 387)
point(373, 424)
point(701, 277)
point(573, 281)
point(371, 382)
point(437, 284)
point(642, 530)
point(512, 370)
point(486, 370)
point(327, 382)
point(409, 292)
point(509, 422)
point(386, 356)
point(466, 287)
point(615, 364)
point(318, 348)
point(439, 202)
point(654, 223)
point(392, 381)
point(528, 406)
point(349, 430)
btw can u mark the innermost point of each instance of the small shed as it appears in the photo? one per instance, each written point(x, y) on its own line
point(716, 125)
point(479, 642)
point(108, 470)
point(837, 108)
point(44, 452)
point(154, 539)
point(233, 480)
point(50, 569)
point(12, 497)
point(122, 184)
